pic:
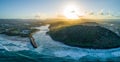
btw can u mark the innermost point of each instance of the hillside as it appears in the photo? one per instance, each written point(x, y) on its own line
point(88, 35)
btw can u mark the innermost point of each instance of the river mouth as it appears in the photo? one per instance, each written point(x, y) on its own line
point(50, 47)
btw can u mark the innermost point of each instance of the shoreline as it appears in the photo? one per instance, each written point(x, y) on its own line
point(29, 37)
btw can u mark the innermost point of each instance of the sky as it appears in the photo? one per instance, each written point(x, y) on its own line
point(49, 8)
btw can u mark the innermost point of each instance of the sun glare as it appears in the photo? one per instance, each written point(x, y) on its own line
point(71, 12)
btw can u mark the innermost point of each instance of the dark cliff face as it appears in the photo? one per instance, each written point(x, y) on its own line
point(86, 36)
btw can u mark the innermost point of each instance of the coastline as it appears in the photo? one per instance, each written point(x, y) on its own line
point(56, 49)
point(22, 38)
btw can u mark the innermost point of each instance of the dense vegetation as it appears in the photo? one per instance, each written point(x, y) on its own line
point(18, 27)
point(85, 35)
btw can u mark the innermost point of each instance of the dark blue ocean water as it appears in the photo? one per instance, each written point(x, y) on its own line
point(30, 56)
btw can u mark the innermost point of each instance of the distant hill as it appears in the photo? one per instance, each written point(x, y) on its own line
point(85, 35)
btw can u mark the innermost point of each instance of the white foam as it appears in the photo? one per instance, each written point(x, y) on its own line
point(11, 45)
point(58, 49)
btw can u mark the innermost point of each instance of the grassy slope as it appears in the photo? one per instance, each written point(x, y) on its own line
point(84, 36)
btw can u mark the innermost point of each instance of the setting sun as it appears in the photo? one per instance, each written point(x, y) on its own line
point(71, 12)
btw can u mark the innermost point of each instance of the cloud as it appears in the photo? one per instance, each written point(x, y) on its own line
point(108, 13)
point(117, 15)
point(37, 16)
point(101, 12)
point(40, 15)
point(89, 13)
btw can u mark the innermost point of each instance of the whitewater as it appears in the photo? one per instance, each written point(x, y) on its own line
point(47, 46)
point(55, 48)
